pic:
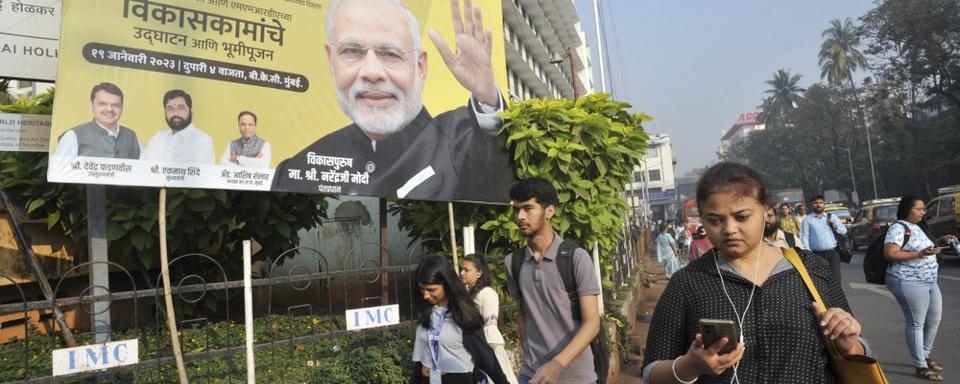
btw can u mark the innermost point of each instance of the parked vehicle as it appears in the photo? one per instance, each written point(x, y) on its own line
point(791, 196)
point(840, 211)
point(942, 216)
point(873, 219)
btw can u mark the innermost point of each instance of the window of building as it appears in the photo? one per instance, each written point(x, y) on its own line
point(654, 175)
point(653, 152)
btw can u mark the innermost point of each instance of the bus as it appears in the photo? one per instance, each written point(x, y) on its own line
point(691, 215)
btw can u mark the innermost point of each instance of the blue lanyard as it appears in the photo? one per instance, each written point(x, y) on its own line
point(435, 342)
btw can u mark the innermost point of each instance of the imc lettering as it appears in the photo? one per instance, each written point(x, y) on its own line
point(373, 316)
point(94, 356)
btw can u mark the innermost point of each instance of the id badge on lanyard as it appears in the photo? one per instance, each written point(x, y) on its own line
point(435, 350)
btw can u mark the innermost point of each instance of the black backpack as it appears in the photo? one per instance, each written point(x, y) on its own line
point(875, 263)
point(842, 250)
point(601, 354)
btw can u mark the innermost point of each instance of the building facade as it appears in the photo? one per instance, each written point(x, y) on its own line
point(747, 123)
point(656, 173)
point(542, 38)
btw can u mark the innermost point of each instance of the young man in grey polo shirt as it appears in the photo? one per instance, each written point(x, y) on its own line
point(555, 345)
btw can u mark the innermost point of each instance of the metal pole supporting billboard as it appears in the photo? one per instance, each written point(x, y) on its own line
point(99, 272)
point(453, 234)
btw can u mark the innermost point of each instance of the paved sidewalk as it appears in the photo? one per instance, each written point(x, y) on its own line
point(645, 302)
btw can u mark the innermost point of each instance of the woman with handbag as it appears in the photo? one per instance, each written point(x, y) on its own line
point(782, 336)
point(476, 275)
point(912, 277)
point(449, 346)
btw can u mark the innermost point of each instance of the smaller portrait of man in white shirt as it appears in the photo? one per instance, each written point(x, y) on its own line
point(183, 143)
point(248, 151)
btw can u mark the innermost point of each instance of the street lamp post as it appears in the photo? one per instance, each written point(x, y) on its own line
point(853, 180)
point(573, 71)
point(873, 173)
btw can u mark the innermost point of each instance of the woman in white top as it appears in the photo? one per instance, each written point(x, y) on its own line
point(476, 275)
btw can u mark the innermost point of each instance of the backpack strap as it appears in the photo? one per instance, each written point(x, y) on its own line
point(516, 264)
point(906, 233)
point(564, 263)
point(565, 267)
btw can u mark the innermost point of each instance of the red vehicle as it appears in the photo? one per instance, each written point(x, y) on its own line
point(691, 215)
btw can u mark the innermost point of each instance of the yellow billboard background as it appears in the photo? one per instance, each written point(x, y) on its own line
point(287, 120)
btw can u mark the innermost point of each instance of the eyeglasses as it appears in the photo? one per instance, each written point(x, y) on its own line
point(353, 54)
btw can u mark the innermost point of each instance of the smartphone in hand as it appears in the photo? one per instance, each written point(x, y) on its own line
point(713, 330)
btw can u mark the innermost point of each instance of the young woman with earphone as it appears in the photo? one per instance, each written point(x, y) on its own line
point(476, 276)
point(744, 280)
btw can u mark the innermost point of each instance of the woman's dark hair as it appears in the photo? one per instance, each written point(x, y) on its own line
point(486, 277)
point(535, 187)
point(438, 270)
point(731, 177)
point(906, 204)
point(661, 227)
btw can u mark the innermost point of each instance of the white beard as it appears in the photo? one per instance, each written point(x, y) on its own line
point(376, 120)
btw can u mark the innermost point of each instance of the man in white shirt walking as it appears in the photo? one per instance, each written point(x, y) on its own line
point(183, 142)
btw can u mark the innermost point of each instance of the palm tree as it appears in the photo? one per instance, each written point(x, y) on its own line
point(784, 93)
point(839, 56)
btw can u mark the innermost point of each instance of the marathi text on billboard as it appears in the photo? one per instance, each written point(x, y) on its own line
point(241, 95)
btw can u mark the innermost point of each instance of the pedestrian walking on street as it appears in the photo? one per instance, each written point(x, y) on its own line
point(478, 278)
point(801, 212)
point(700, 244)
point(772, 234)
point(790, 225)
point(667, 252)
point(778, 330)
point(557, 323)
point(449, 346)
point(817, 234)
point(912, 277)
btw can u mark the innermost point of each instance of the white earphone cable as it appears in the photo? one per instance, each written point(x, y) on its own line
point(743, 318)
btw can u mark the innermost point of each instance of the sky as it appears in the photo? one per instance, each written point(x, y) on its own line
point(695, 65)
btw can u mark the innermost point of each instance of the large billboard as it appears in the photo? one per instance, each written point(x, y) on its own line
point(352, 97)
point(29, 30)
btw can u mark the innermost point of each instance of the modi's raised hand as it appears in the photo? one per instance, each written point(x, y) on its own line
point(471, 62)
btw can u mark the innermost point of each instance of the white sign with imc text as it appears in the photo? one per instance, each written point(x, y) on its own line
point(24, 133)
point(29, 39)
point(95, 357)
point(373, 317)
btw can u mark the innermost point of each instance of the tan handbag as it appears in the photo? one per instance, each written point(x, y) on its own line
point(850, 369)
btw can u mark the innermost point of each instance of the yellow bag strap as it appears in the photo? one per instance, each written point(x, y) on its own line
point(794, 259)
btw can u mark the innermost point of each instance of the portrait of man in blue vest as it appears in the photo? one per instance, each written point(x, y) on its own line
point(248, 151)
point(103, 136)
